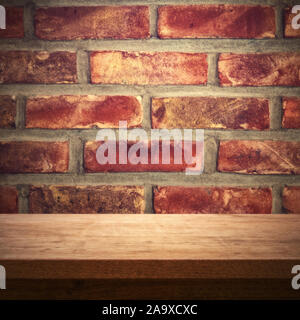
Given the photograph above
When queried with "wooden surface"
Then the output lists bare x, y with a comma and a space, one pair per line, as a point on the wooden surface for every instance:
101, 237
220, 256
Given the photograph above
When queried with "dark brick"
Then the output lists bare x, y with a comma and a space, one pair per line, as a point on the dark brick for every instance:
101, 22
86, 199
216, 21
7, 112
291, 199
37, 67
8, 199
210, 113
83, 112
14, 23
263, 69
151, 68
212, 200
291, 113
259, 157
33, 157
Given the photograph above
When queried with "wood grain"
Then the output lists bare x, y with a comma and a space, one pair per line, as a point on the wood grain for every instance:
150, 250
105, 237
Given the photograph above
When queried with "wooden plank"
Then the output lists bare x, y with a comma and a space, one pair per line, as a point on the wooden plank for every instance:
138, 237
239, 251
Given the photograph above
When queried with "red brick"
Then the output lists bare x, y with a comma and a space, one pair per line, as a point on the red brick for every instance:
70, 23
289, 32
86, 199
291, 199
264, 69
210, 112
291, 113
216, 21
91, 164
33, 157
259, 157
14, 24
7, 112
82, 112
8, 199
212, 200
148, 67
38, 67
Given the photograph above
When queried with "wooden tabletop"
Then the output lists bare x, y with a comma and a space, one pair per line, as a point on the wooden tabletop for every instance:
216, 247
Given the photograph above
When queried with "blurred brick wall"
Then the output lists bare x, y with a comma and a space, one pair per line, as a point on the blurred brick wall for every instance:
68, 68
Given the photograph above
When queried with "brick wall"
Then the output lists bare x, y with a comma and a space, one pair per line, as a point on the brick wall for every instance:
70, 67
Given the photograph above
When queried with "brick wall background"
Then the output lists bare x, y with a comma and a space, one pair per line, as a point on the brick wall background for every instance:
69, 67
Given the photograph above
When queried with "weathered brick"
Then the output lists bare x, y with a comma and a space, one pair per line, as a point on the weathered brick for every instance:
264, 69
291, 199
259, 157
34, 157
216, 21
14, 23
210, 112
289, 31
8, 199
101, 22
86, 199
91, 164
83, 111
291, 113
148, 67
7, 112
37, 67
212, 200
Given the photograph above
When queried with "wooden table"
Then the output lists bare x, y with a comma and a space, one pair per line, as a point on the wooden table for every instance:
149, 256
